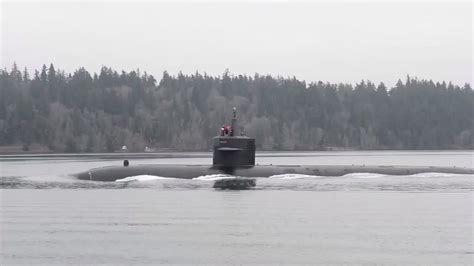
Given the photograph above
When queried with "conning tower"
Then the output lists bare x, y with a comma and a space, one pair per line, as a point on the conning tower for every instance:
232, 150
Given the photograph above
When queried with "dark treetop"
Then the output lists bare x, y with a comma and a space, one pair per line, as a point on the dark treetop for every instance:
84, 112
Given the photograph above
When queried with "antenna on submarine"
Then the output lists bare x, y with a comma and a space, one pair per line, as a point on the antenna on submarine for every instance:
234, 122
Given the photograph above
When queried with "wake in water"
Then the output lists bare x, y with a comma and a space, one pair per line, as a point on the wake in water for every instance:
213, 177
294, 176
142, 178
364, 175
349, 182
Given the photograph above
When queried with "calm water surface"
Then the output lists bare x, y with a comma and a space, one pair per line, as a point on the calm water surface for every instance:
49, 218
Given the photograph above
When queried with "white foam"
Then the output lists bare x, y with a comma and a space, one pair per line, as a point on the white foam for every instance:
293, 176
364, 175
213, 177
142, 178
433, 174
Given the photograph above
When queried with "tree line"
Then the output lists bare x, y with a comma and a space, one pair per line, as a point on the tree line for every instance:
98, 112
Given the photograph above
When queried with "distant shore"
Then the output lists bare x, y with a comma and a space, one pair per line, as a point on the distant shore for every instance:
35, 149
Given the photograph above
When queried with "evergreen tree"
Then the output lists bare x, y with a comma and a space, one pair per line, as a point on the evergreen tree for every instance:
84, 112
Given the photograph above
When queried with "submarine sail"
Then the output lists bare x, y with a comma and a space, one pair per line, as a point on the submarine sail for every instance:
231, 150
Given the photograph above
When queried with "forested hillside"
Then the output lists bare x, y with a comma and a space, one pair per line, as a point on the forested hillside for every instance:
98, 112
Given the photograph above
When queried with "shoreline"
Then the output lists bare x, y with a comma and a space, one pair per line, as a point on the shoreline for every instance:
199, 154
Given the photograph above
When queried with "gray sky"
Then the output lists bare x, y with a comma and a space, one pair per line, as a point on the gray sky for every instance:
336, 42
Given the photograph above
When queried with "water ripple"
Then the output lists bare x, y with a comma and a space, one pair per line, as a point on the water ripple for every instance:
429, 182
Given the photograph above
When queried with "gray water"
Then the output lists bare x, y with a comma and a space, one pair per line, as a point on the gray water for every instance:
48, 217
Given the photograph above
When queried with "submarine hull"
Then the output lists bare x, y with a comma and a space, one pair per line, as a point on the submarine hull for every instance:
114, 173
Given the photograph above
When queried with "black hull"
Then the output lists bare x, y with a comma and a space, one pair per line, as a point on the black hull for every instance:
114, 173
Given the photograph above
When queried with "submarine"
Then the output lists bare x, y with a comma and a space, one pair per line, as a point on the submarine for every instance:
234, 155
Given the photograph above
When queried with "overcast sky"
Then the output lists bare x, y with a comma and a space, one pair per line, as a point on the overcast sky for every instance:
343, 42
